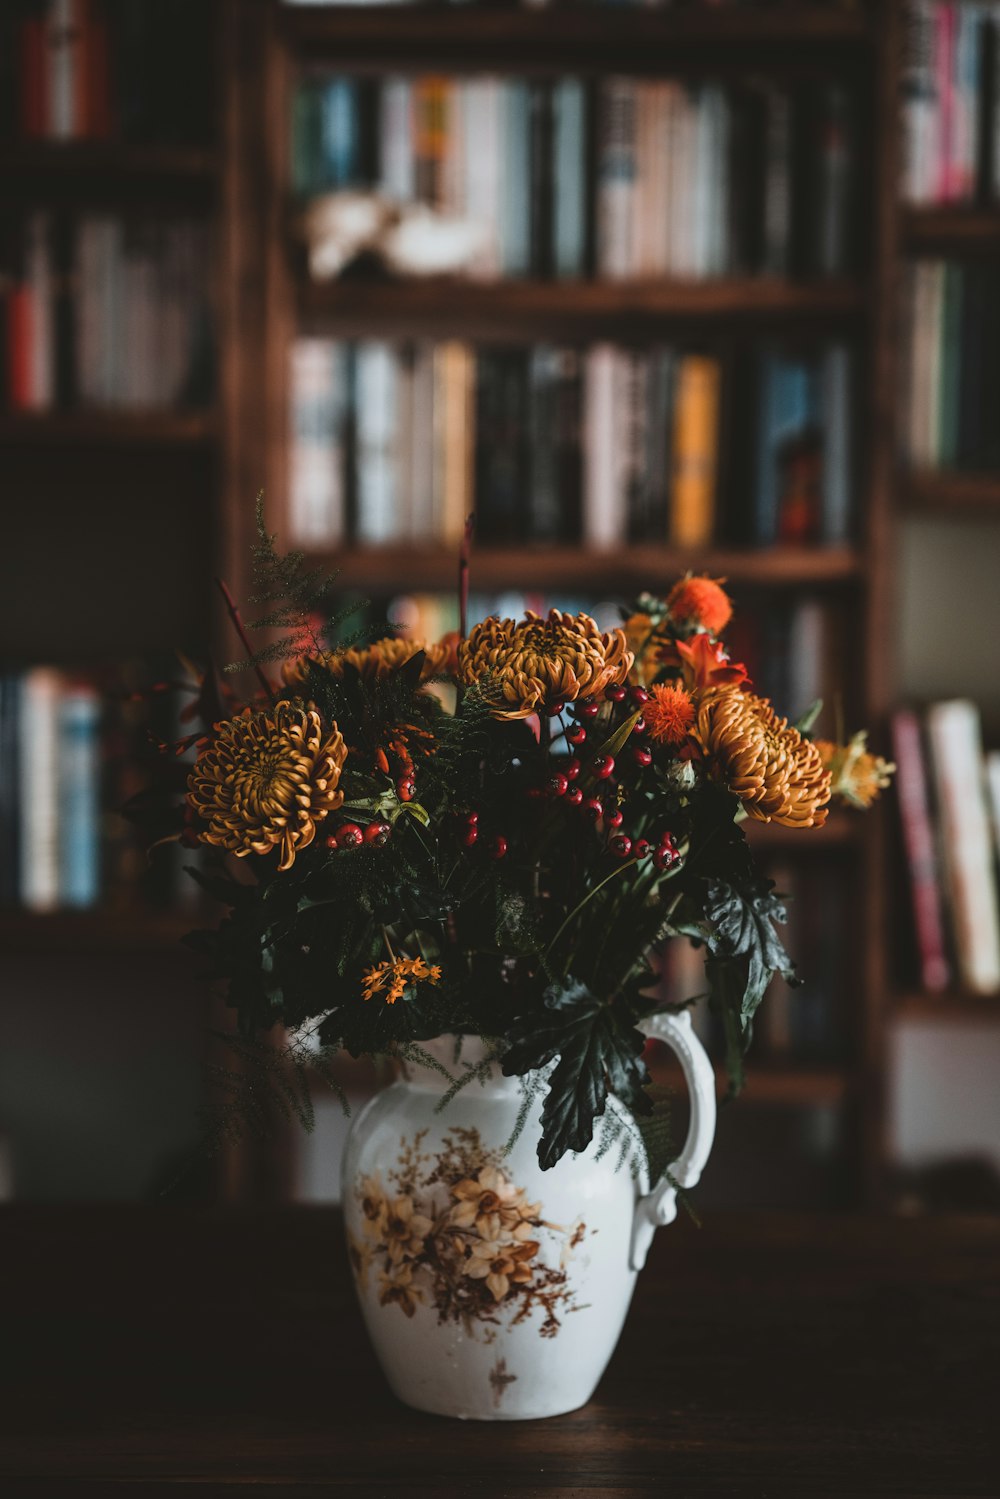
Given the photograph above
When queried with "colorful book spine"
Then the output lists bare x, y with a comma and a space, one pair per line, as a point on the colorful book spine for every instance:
79, 770
317, 451
695, 448
921, 853
375, 416
617, 172
954, 737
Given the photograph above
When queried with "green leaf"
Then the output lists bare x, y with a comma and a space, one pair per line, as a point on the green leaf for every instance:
807, 722
599, 1050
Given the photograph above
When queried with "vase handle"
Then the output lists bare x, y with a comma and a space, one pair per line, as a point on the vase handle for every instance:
659, 1206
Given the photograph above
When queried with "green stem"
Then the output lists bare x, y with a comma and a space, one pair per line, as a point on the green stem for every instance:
628, 864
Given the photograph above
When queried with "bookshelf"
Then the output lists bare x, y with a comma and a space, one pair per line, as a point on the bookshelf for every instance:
262, 298
273, 301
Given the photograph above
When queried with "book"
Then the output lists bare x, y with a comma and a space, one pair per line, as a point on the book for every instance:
569, 207
605, 514
317, 458
377, 467
38, 773
838, 452
923, 864
955, 741
694, 456
454, 496
78, 807
515, 217
616, 176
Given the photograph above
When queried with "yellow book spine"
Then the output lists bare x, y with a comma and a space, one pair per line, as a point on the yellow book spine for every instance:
695, 451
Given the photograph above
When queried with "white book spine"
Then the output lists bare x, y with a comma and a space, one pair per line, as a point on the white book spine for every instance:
396, 140
616, 190
482, 164
38, 748
956, 754
919, 103
63, 40
316, 499
422, 464
376, 410
604, 517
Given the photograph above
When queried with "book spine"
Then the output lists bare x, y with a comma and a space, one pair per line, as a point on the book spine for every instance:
34, 107
430, 139
316, 488
695, 440
482, 158
951, 358
617, 168
919, 102
568, 177
41, 289
457, 441
516, 177
396, 169
834, 184
79, 809
38, 723
921, 853
944, 69
838, 462
956, 756
604, 512
422, 478
10, 775
777, 183
541, 183
376, 422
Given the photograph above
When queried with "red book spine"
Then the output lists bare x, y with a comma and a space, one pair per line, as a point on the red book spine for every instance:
19, 348
918, 837
96, 73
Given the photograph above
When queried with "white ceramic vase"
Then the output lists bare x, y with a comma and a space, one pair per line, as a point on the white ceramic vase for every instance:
493, 1290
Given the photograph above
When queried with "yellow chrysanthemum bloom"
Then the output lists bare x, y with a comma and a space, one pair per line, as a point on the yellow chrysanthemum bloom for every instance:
538, 662
644, 639
856, 774
375, 660
762, 759
266, 779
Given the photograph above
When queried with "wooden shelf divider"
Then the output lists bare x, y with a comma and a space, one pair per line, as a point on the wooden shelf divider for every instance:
154, 429
574, 310
953, 1007
951, 493
954, 230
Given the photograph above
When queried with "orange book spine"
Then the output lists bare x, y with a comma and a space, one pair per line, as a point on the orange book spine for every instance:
695, 452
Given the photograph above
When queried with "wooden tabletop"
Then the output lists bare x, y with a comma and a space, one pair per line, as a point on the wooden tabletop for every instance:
142, 1350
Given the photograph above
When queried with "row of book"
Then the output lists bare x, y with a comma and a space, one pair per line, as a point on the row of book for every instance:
73, 748
951, 102
621, 179
394, 443
105, 69
949, 800
105, 311
952, 375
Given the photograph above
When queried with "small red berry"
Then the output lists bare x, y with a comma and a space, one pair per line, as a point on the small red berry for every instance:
331, 841
589, 709
667, 841
556, 707
405, 790
641, 755
557, 785
572, 769
620, 844
603, 766
574, 796
641, 848
594, 807
469, 837
498, 847
577, 734
615, 819
616, 694
472, 818
378, 833
639, 727
349, 835
638, 696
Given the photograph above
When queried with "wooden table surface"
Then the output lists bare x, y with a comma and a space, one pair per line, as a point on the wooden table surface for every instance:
142, 1350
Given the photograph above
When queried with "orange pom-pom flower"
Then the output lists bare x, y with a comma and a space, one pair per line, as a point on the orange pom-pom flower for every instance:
669, 714
700, 602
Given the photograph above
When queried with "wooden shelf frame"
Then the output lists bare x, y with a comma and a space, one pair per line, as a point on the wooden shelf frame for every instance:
950, 1008
952, 230
951, 493
108, 429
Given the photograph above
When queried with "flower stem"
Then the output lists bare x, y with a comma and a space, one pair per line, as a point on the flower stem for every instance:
234, 615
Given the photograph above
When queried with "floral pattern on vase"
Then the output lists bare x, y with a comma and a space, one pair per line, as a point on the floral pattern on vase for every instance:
452, 1231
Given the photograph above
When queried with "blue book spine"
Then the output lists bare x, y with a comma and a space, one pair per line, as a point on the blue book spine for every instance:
568, 178
79, 798
516, 220
341, 131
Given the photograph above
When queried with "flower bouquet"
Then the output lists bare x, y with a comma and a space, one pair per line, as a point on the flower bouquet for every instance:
489, 839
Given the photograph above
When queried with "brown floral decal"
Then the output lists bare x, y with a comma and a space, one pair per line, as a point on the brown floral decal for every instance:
453, 1232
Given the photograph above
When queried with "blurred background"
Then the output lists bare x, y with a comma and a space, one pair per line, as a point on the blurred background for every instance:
696, 285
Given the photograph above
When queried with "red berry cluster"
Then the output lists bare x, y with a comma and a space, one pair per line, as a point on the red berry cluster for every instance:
352, 835
468, 836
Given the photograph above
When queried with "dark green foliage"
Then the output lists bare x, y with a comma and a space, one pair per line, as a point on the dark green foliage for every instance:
599, 1049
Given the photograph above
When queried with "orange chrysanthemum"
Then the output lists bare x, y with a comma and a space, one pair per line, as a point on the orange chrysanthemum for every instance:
375, 660
266, 779
701, 603
539, 662
856, 775
762, 759
395, 977
669, 714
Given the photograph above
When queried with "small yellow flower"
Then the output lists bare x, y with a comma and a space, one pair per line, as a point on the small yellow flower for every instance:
501, 1263
396, 1286
405, 1229
856, 774
396, 976
490, 1202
